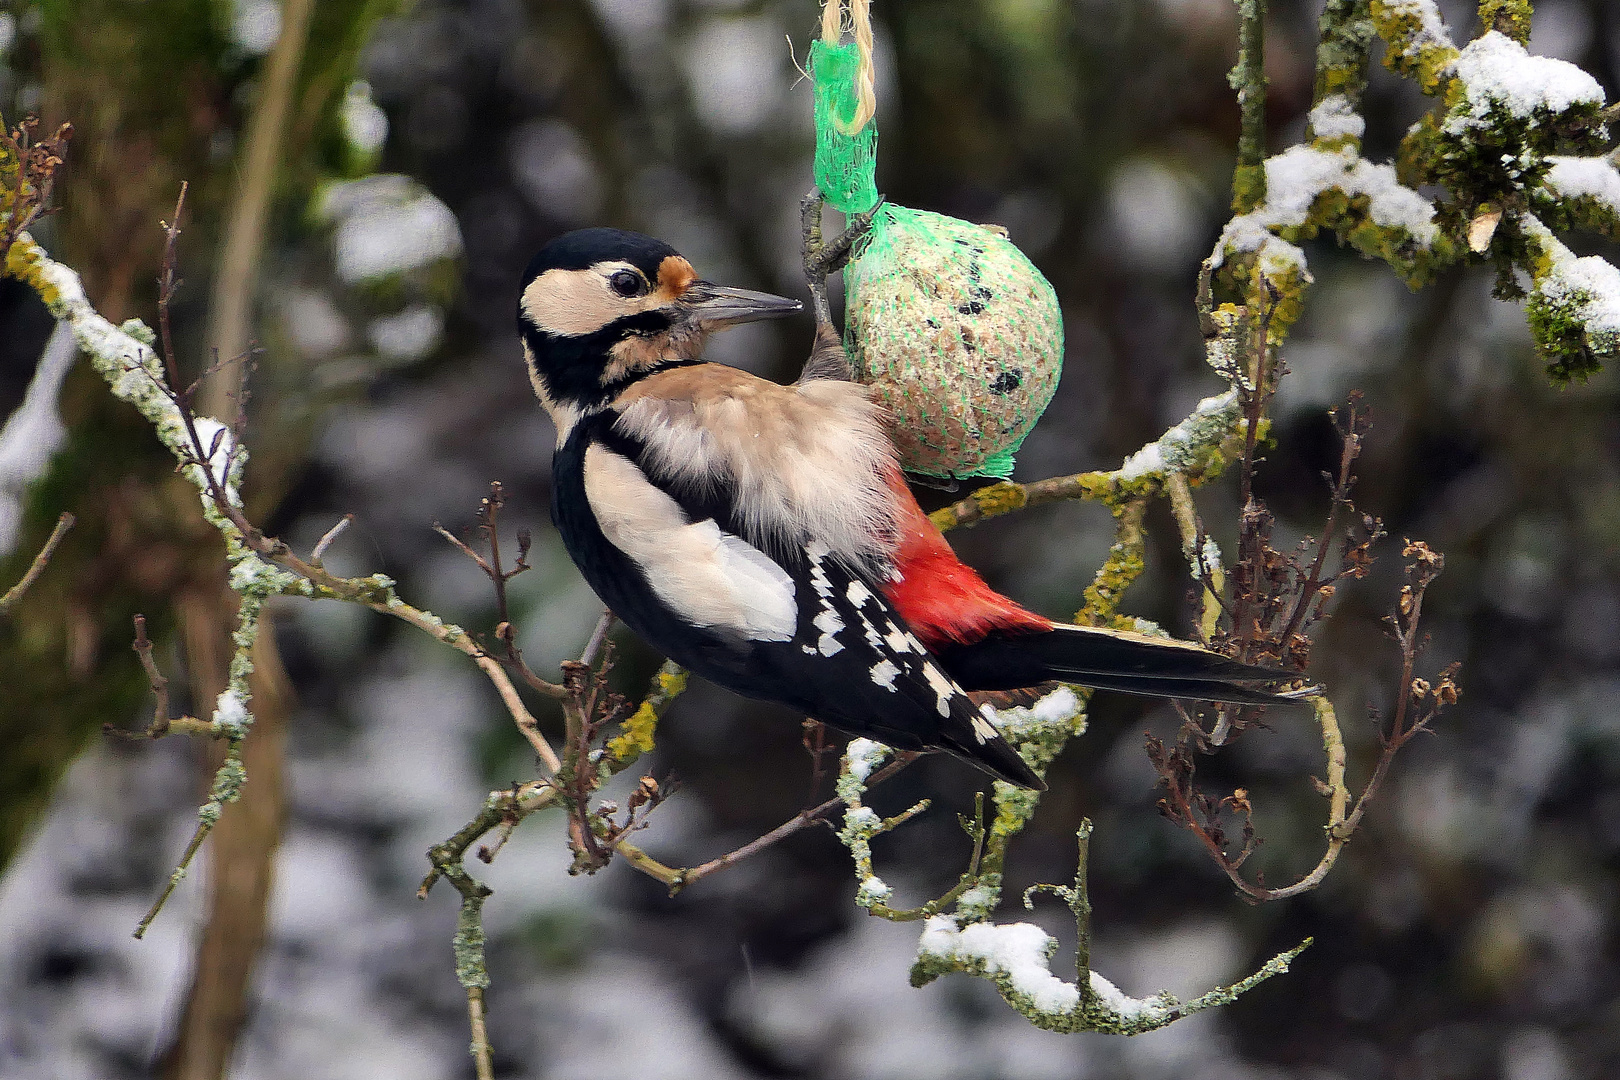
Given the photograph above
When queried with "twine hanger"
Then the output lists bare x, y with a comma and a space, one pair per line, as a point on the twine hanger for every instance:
859, 23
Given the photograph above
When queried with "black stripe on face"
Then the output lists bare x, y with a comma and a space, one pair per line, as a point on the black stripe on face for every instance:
571, 367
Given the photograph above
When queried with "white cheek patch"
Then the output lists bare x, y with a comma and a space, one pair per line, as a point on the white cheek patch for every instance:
706, 575
575, 302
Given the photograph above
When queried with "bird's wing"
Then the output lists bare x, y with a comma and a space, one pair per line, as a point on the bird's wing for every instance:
806, 628
709, 577
856, 665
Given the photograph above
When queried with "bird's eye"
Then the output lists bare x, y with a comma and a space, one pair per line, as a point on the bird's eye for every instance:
627, 283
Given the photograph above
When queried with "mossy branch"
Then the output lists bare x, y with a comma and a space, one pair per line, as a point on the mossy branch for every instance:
261, 567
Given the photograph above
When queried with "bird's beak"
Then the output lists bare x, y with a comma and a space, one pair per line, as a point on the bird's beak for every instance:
715, 307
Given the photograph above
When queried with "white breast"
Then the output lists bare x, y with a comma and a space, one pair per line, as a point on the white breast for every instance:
803, 464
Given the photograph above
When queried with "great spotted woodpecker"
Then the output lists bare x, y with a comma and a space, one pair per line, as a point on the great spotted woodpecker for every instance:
763, 535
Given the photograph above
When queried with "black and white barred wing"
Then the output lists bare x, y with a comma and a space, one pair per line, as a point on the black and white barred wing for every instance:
861, 669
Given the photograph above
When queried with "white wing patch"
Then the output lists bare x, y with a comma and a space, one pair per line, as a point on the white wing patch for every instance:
899, 655
984, 726
706, 575
829, 624
943, 688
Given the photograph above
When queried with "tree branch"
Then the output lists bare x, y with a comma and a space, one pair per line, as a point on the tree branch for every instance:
37, 567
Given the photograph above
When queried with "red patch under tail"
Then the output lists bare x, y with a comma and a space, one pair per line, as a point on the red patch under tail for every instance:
943, 599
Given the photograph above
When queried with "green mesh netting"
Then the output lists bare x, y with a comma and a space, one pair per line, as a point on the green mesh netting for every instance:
959, 336
957, 333
846, 165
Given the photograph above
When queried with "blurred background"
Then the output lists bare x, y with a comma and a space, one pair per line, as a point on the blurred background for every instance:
429, 148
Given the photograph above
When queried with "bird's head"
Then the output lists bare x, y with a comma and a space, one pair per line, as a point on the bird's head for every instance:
601, 308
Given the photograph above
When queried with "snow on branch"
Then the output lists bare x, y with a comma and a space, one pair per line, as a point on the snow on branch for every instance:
1420, 48
1500, 79
1016, 957
1574, 305
1381, 216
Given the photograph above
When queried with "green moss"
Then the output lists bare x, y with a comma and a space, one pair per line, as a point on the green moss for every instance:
1584, 213
1002, 498
1410, 52
1248, 187
1510, 17
1124, 565
468, 944
1561, 338
1345, 33
640, 730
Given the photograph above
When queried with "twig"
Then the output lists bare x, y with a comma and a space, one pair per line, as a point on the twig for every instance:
162, 723
37, 567
510, 805
178, 875
36, 162
679, 878
168, 283
598, 636
1351, 449
326, 541
489, 519
1249, 79
1185, 806
471, 969
816, 745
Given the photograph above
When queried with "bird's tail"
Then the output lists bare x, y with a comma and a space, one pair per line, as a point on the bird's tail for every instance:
1115, 660
974, 739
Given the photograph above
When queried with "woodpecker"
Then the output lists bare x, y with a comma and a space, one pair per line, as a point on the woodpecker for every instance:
763, 535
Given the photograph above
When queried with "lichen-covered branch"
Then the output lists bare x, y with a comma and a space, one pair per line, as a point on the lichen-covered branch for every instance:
1248, 78
1016, 957
1574, 304
1418, 45
260, 566
1514, 133
1345, 34
1198, 449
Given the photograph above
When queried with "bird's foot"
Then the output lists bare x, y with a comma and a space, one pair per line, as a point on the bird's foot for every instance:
823, 257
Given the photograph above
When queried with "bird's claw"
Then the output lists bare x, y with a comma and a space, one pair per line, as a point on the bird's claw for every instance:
825, 257
822, 257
